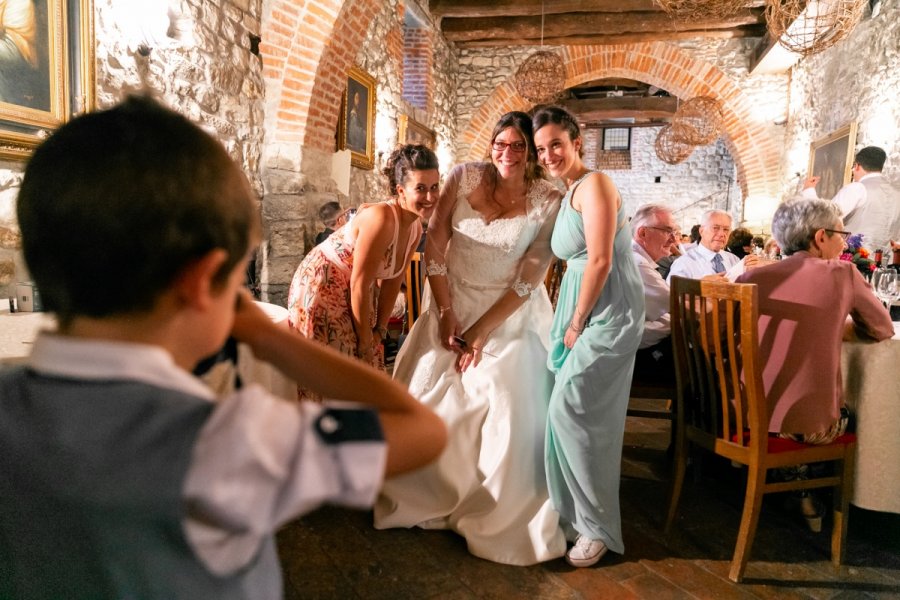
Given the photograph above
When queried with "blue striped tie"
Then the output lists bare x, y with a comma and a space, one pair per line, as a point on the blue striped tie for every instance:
718, 265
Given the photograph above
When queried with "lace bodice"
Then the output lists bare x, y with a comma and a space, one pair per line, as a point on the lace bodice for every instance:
488, 254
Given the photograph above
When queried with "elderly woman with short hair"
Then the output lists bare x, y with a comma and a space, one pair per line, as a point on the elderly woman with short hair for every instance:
804, 302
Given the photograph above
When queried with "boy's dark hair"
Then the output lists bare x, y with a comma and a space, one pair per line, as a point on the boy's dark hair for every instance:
405, 159
116, 203
871, 158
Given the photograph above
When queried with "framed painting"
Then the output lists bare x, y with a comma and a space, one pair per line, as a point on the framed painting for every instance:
411, 131
831, 159
46, 69
358, 119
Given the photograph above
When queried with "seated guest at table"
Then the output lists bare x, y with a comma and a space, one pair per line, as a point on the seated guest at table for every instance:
709, 257
328, 214
122, 475
653, 235
804, 302
676, 249
740, 242
335, 297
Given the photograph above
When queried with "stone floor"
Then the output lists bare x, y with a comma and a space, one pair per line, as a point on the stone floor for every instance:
335, 553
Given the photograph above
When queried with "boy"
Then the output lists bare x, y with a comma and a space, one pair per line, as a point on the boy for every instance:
121, 477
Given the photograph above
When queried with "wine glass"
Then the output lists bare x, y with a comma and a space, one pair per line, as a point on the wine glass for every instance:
884, 282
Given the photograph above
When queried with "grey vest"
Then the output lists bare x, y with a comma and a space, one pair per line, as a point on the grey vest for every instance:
878, 218
91, 476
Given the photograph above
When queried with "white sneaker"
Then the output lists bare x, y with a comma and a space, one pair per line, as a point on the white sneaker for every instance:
585, 552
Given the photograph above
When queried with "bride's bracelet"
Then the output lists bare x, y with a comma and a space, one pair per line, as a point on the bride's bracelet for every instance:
442, 310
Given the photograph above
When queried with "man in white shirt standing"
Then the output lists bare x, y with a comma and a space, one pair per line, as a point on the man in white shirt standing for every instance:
709, 256
653, 234
870, 205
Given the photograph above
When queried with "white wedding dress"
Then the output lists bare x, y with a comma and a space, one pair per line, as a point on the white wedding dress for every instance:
489, 484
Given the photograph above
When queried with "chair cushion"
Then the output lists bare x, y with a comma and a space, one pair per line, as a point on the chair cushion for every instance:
780, 444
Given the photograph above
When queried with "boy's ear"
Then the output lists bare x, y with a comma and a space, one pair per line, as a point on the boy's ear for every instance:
194, 284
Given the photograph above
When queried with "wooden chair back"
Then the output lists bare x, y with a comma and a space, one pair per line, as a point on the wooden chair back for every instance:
722, 408
415, 283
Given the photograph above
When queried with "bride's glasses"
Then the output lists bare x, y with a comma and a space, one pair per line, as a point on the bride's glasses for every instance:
515, 146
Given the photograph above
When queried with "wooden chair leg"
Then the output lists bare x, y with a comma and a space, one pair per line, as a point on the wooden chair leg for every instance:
756, 481
678, 469
841, 511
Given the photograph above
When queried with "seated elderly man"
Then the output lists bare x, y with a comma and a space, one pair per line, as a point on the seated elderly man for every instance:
804, 302
654, 232
709, 257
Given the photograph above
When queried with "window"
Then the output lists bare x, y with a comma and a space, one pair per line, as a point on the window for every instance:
617, 138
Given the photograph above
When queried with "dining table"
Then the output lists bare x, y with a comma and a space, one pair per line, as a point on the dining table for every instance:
871, 380
19, 330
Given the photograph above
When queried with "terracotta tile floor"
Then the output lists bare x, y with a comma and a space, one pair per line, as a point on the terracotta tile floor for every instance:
336, 553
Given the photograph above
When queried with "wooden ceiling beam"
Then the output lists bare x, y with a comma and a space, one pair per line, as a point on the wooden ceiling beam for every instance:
596, 109
526, 8
624, 38
592, 24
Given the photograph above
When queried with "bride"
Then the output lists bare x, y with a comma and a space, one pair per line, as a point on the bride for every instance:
477, 356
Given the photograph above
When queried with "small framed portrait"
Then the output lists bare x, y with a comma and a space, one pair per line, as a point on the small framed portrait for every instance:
358, 119
411, 131
831, 158
46, 69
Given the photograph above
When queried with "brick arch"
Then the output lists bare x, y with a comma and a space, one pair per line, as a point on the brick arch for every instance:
755, 153
307, 48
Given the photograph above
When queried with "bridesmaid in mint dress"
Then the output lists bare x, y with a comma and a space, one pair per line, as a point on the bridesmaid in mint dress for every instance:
595, 333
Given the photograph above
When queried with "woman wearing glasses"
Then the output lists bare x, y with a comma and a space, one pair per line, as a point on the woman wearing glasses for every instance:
477, 356
804, 302
596, 331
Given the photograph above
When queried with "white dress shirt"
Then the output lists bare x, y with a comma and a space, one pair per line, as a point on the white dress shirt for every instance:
657, 320
697, 263
848, 198
257, 462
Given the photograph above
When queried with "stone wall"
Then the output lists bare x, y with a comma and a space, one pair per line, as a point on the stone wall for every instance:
208, 74
703, 181
856, 80
368, 185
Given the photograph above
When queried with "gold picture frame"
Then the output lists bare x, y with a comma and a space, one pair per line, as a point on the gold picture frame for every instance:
831, 159
410, 131
49, 77
357, 122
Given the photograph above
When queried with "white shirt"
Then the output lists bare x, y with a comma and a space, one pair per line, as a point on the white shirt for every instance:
257, 462
657, 320
696, 263
848, 198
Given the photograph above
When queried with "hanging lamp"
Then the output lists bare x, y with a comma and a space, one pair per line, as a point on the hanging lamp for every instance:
808, 27
542, 76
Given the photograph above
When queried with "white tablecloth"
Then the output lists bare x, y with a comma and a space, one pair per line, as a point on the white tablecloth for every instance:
19, 330
221, 378
871, 373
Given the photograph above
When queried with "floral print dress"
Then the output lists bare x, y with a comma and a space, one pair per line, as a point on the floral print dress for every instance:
319, 297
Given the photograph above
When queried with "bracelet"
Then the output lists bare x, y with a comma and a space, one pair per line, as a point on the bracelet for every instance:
575, 329
443, 309
381, 331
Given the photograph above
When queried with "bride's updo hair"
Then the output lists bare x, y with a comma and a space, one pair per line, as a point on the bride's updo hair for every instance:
521, 122
555, 115
406, 158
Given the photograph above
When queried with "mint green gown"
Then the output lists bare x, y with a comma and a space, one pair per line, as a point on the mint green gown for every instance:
586, 416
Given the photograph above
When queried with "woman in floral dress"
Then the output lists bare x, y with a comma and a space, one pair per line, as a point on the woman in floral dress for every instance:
335, 296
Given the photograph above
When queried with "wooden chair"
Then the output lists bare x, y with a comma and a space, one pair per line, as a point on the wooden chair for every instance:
415, 283
721, 408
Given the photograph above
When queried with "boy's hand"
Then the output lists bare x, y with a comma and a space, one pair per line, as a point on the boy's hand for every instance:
249, 319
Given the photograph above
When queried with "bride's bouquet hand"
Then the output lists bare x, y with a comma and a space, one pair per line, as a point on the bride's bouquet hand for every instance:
471, 343
448, 328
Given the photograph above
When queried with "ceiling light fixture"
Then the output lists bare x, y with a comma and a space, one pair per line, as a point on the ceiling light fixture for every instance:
541, 77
